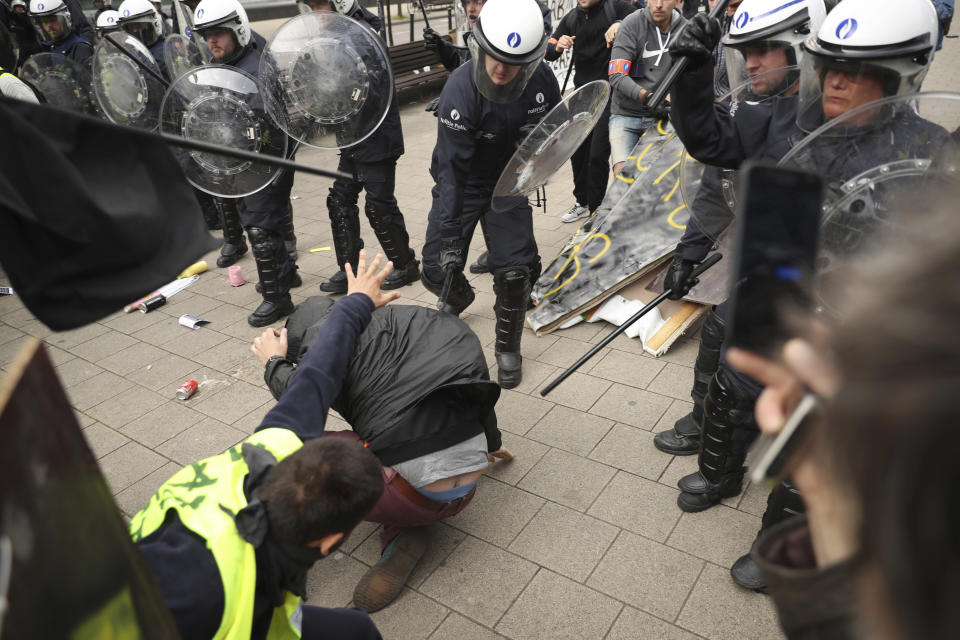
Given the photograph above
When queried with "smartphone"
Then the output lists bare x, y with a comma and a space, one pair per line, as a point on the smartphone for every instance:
778, 216
770, 453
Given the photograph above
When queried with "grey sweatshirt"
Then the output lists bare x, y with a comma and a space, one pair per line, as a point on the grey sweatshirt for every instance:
638, 60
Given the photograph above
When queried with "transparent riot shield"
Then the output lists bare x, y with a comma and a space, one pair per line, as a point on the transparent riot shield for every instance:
181, 55
551, 143
878, 161
224, 106
715, 220
126, 92
329, 79
63, 82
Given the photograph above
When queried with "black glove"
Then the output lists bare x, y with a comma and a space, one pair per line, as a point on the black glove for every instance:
698, 39
678, 278
451, 254
432, 106
662, 112
431, 39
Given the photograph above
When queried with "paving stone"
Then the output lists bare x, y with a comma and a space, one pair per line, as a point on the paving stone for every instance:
585, 331
674, 412
533, 346
59, 356
132, 322
9, 350
197, 306
358, 536
102, 440
518, 412
479, 580
164, 374
571, 430
556, 608
129, 463
76, 371
579, 391
718, 609
456, 627
135, 497
125, 407
729, 531
189, 343
568, 479
564, 352
565, 541
754, 499
226, 355
631, 406
160, 332
484, 328
632, 450
83, 419
331, 582
647, 575
637, 625
204, 439
93, 391
8, 333
234, 402
161, 424
683, 351
497, 513
103, 346
674, 381
527, 452
136, 356
627, 369
535, 375
411, 616
249, 423
679, 466
70, 339
640, 505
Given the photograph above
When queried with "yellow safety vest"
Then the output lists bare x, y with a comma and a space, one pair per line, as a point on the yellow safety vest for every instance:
199, 493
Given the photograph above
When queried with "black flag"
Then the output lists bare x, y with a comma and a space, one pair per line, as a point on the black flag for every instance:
92, 216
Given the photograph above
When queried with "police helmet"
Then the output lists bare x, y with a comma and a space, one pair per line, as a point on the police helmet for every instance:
40, 9
225, 14
140, 19
107, 22
509, 32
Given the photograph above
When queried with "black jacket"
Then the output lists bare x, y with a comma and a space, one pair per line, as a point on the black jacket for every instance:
591, 57
417, 381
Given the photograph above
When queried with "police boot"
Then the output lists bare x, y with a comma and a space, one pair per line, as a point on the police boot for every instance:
783, 502
267, 251
345, 224
461, 293
387, 223
481, 266
289, 236
728, 430
512, 287
234, 245
684, 438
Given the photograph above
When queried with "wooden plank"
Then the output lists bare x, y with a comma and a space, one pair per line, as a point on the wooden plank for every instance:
673, 323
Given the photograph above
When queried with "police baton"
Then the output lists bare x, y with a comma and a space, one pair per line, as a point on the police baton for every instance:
699, 269
445, 289
426, 21
679, 65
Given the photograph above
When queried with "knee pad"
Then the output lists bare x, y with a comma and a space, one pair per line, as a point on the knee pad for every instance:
263, 240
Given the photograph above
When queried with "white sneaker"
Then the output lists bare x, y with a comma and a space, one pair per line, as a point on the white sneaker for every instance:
576, 212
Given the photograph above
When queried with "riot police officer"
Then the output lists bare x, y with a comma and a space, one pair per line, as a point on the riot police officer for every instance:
53, 22
373, 165
224, 26
480, 114
108, 21
141, 20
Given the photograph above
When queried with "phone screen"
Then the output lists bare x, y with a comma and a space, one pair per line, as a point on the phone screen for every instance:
778, 216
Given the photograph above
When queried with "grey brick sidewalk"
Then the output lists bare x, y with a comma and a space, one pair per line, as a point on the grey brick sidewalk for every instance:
579, 537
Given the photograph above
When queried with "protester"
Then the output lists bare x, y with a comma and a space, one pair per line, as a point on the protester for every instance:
875, 557
639, 60
10, 85
482, 109
416, 392
230, 539
266, 215
589, 29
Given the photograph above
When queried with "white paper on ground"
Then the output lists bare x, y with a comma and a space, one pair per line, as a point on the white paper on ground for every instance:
618, 310
192, 322
177, 286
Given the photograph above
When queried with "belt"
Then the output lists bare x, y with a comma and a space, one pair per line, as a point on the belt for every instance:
414, 496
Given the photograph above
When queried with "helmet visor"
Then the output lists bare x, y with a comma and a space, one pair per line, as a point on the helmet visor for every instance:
498, 81
52, 26
141, 29
760, 63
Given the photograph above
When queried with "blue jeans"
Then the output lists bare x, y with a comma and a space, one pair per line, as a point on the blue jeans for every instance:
625, 131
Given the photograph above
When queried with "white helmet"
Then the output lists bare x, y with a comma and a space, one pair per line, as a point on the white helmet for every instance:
140, 19
107, 21
343, 7
225, 14
892, 39
770, 24
18, 3
511, 32
43, 8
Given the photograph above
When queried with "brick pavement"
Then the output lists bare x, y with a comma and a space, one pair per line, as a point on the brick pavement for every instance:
579, 537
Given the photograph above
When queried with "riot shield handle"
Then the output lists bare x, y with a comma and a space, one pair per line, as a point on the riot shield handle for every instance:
699, 269
680, 65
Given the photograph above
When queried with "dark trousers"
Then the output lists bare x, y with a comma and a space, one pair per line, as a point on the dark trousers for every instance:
378, 179
320, 623
591, 164
510, 233
267, 209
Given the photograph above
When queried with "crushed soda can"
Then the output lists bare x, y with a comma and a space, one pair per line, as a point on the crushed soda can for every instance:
187, 389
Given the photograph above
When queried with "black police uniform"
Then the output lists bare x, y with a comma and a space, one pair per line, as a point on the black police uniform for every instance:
73, 47
373, 165
266, 217
591, 58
